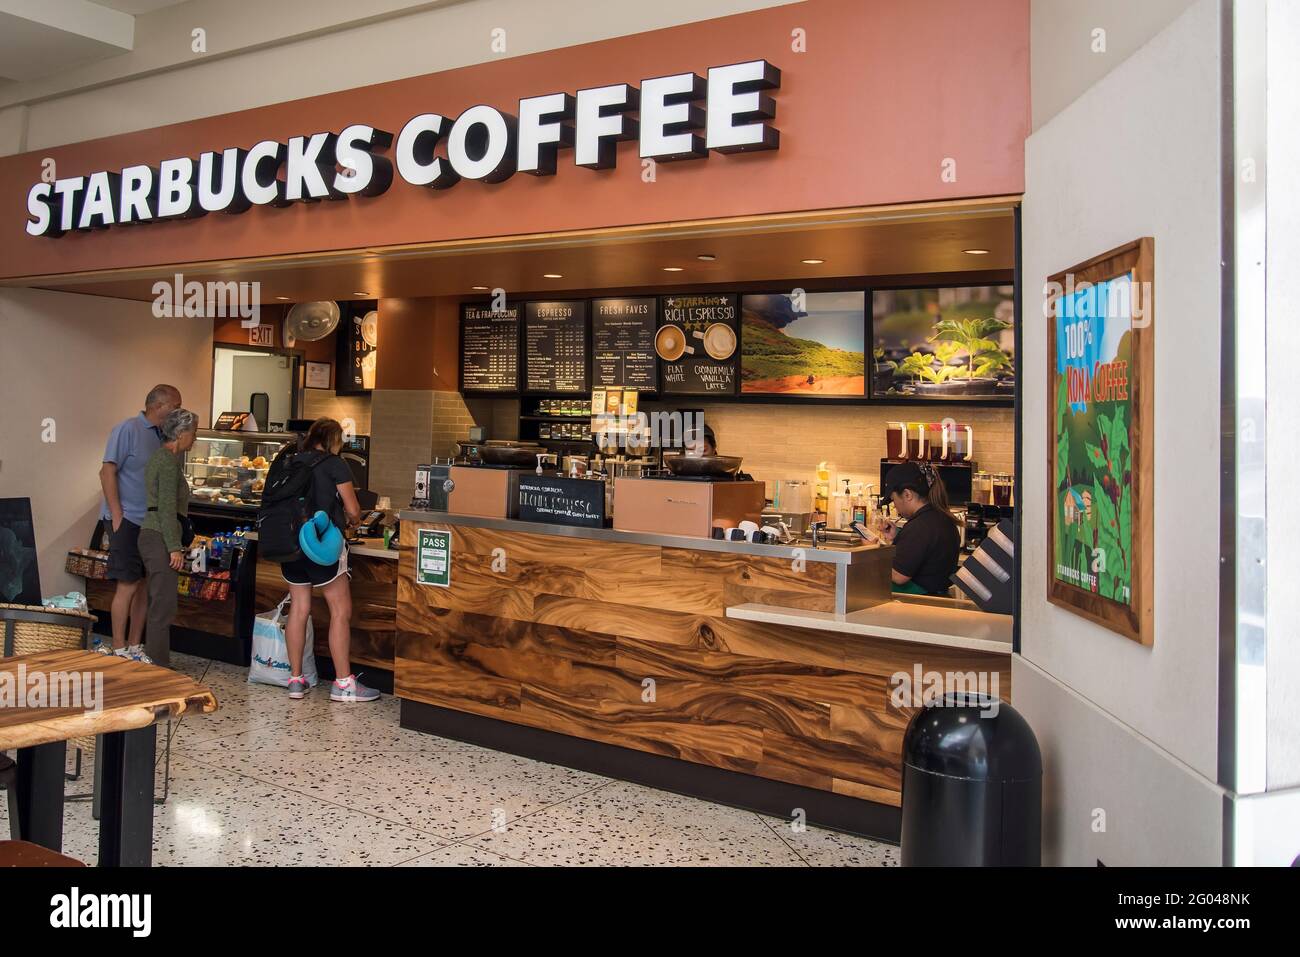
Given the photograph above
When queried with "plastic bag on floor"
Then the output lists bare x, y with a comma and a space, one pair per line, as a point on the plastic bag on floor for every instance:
270, 664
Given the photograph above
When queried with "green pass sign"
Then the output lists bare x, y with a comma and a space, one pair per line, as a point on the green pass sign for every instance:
433, 557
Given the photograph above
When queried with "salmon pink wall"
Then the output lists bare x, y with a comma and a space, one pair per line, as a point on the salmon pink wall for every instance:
884, 93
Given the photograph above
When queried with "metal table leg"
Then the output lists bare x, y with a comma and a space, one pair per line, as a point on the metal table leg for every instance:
40, 794
126, 801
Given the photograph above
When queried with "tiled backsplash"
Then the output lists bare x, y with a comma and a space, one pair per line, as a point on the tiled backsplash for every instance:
318, 403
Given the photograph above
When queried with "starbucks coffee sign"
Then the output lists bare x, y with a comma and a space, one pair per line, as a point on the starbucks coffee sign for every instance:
678, 117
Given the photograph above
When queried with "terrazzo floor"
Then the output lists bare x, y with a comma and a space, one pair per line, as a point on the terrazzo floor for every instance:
269, 781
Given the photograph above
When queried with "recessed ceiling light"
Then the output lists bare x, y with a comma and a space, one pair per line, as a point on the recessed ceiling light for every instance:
363, 295
479, 288
706, 257
283, 298
552, 275
976, 252
812, 262
672, 269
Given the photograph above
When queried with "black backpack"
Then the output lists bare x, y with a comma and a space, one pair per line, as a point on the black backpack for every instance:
287, 503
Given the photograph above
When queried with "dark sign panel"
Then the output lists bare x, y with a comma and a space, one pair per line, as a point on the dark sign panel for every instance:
560, 501
489, 348
555, 347
697, 343
357, 343
623, 344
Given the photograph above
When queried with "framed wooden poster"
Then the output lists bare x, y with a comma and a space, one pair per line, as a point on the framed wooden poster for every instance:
1101, 439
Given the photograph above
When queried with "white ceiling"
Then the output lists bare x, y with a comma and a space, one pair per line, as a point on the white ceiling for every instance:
137, 7
39, 38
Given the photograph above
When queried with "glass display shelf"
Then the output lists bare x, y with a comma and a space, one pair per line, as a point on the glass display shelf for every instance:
227, 470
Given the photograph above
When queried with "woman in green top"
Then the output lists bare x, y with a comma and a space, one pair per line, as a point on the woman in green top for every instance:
167, 498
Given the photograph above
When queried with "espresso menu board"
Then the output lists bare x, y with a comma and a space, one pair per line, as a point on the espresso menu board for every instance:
623, 344
696, 344
555, 347
489, 348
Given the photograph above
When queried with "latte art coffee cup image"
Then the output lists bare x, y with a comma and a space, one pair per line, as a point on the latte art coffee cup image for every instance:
720, 341
670, 343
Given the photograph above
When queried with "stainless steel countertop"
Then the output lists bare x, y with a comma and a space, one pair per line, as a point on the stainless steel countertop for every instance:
835, 556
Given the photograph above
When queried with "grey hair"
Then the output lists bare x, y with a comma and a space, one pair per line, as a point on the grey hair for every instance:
177, 423
160, 394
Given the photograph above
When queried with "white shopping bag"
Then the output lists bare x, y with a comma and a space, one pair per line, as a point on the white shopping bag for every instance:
270, 664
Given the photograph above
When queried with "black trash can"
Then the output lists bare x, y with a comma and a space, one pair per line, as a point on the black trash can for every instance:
972, 786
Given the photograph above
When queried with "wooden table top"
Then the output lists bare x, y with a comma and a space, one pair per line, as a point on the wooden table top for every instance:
134, 695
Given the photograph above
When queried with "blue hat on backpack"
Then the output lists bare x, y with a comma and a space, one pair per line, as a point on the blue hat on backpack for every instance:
320, 540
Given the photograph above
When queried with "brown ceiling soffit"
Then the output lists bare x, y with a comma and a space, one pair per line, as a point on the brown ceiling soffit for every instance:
862, 216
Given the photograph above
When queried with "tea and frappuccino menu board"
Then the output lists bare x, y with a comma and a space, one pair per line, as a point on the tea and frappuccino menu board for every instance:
489, 348
697, 343
555, 346
623, 344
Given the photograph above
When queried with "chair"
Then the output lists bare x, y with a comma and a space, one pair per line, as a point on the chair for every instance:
28, 630
26, 854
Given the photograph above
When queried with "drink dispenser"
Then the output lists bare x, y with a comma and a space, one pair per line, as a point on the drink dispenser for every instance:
961, 443
916, 440
895, 440
937, 444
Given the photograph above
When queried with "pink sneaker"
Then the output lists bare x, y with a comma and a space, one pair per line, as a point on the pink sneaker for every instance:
351, 690
298, 687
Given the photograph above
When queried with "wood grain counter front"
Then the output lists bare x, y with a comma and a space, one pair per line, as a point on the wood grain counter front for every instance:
629, 644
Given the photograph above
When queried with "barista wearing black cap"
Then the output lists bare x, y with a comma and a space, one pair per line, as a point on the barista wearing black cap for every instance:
926, 548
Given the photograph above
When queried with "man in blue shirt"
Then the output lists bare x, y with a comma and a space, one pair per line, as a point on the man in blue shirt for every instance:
130, 445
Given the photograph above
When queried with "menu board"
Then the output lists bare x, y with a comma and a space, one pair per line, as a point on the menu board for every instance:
489, 348
623, 344
696, 341
555, 346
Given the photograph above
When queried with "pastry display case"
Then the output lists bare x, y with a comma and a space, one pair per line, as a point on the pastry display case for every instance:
227, 470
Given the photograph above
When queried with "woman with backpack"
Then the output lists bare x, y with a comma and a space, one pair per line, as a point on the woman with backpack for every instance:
330, 491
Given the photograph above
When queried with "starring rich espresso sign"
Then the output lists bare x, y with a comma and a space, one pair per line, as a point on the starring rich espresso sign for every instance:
483, 143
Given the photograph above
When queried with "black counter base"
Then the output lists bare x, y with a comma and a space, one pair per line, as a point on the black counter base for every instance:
202, 644
879, 822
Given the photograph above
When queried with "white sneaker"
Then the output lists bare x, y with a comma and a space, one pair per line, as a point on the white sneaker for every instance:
135, 653
351, 690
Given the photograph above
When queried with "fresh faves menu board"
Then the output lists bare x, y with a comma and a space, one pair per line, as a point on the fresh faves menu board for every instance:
623, 344
489, 348
555, 346
696, 342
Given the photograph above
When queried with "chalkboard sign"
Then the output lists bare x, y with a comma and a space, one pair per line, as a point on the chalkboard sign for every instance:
555, 347
623, 344
489, 348
560, 501
697, 344
358, 340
